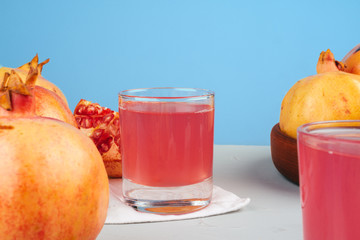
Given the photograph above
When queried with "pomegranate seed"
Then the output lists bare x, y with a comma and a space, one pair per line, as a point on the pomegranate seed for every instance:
104, 147
99, 110
86, 123
90, 110
81, 109
116, 122
109, 139
78, 120
97, 134
97, 121
108, 118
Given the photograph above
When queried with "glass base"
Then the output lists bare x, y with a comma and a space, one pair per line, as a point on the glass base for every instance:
168, 200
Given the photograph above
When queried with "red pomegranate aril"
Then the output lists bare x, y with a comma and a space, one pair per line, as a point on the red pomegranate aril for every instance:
97, 134
108, 118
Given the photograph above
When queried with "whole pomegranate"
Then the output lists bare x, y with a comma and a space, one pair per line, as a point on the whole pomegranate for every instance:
321, 97
332, 94
101, 124
53, 184
23, 71
46, 103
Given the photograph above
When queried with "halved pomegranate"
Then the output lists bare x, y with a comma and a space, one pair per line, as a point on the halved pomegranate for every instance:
101, 124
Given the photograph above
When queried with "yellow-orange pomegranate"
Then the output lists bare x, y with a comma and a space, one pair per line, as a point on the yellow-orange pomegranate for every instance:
53, 183
332, 94
325, 96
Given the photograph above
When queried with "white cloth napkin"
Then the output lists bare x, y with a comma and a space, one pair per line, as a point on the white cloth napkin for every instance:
120, 213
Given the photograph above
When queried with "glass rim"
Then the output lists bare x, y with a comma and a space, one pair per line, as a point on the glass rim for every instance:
208, 93
305, 129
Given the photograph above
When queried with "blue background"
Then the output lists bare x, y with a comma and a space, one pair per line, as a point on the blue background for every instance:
249, 52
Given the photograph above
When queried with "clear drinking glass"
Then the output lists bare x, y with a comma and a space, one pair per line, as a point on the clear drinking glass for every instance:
167, 137
329, 166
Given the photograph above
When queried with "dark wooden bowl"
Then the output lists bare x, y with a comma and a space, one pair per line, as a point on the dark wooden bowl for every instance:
284, 154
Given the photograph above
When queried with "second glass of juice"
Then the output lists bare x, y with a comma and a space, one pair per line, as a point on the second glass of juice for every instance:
329, 166
167, 137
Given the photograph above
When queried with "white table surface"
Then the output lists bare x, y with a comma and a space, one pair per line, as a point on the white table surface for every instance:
248, 171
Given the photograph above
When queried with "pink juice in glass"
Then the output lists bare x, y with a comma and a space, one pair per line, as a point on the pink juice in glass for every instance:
330, 183
167, 144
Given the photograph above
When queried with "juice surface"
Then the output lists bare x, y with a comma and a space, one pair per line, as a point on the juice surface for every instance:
166, 144
330, 180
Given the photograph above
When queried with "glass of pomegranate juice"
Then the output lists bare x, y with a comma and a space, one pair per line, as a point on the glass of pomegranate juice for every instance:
329, 167
167, 137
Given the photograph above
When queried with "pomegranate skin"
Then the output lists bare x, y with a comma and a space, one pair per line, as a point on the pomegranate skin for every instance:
49, 104
352, 60
53, 183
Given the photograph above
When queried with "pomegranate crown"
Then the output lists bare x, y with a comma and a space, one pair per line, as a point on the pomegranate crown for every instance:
12, 82
34, 63
327, 63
